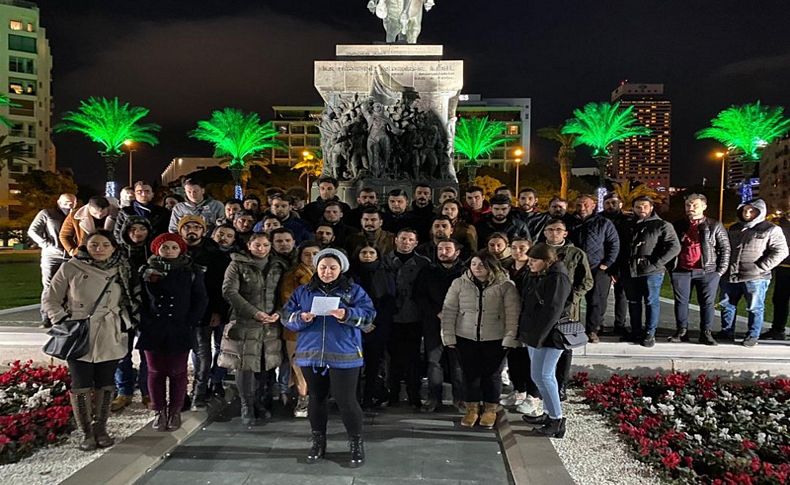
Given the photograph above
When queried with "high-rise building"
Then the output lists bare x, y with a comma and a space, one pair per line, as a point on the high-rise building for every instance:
25, 67
775, 174
644, 158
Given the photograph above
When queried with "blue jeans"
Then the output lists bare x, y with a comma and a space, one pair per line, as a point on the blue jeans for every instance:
754, 292
647, 290
125, 374
543, 369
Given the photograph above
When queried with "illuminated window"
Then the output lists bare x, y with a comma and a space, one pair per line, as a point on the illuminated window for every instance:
31, 27
15, 24
512, 130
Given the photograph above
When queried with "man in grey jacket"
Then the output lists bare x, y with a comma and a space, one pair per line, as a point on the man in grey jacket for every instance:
197, 204
44, 231
758, 246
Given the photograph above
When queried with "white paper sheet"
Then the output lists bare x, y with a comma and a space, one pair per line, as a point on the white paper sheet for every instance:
322, 305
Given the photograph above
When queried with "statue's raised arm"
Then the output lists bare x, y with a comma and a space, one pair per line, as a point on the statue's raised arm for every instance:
402, 18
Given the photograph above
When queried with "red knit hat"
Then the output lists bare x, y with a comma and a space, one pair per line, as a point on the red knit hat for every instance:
168, 236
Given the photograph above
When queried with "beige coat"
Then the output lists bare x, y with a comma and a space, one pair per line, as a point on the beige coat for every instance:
494, 316
73, 291
79, 225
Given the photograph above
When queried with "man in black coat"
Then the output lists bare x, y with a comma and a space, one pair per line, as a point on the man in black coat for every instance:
142, 206
396, 214
366, 198
613, 210
435, 280
327, 191
703, 259
423, 210
501, 219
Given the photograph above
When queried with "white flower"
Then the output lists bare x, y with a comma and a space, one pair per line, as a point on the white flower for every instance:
690, 398
744, 413
725, 394
666, 409
679, 424
761, 438
670, 395
698, 438
647, 400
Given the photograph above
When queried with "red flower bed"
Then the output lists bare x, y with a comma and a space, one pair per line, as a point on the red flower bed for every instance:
700, 430
34, 409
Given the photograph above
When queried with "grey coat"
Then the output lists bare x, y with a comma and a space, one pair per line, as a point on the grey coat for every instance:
209, 209
45, 232
250, 289
757, 246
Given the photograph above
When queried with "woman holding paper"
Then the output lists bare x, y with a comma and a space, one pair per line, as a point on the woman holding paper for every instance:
251, 340
329, 314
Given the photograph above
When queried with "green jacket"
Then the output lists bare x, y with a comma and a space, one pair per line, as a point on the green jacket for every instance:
575, 261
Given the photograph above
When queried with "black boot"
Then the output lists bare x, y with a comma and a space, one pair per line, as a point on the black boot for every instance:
539, 420
102, 400
553, 428
317, 448
82, 406
357, 447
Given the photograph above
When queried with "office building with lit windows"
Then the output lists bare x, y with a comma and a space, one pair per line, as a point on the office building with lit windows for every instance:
25, 68
644, 158
775, 174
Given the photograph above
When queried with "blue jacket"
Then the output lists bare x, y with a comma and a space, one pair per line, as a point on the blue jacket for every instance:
597, 237
327, 342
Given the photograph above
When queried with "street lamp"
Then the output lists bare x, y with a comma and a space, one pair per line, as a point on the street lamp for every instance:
518, 152
129, 144
723, 157
307, 156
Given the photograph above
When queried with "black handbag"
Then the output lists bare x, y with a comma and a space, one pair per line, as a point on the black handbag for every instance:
70, 339
572, 334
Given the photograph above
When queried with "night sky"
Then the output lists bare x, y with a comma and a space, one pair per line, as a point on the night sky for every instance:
183, 59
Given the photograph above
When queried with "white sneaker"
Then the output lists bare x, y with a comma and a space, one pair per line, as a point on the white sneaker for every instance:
505, 376
513, 399
531, 406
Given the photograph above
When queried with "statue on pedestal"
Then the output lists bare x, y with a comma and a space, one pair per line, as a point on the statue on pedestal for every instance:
402, 18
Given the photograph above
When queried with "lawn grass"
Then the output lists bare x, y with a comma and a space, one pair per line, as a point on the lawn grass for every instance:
20, 279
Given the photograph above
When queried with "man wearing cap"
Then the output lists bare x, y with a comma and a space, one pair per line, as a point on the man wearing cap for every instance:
197, 204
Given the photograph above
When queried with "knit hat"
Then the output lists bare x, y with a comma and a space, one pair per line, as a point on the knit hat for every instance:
337, 254
169, 236
191, 218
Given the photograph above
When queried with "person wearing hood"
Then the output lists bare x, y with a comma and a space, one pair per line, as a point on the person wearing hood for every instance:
653, 244
480, 319
97, 277
98, 213
546, 300
174, 300
197, 204
757, 247
251, 342
135, 243
142, 206
329, 348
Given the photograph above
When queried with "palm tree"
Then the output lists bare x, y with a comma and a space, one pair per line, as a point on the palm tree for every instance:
312, 165
629, 191
238, 138
6, 101
476, 137
110, 123
11, 151
600, 126
565, 155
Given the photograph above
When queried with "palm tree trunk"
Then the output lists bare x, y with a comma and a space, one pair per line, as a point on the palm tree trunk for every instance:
565, 176
111, 186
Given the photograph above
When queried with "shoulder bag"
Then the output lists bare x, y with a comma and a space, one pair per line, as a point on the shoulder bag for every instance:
571, 334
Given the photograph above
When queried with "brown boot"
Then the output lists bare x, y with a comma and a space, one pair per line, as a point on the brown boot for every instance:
102, 400
82, 406
488, 418
472, 413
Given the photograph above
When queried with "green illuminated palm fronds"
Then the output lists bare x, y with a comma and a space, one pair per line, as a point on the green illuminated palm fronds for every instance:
599, 125
747, 128
109, 123
6, 101
476, 137
237, 136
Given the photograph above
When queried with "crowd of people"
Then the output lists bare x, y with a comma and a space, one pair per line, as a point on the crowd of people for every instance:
453, 292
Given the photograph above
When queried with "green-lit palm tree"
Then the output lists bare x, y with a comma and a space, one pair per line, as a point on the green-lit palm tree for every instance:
565, 154
600, 126
109, 122
238, 138
476, 137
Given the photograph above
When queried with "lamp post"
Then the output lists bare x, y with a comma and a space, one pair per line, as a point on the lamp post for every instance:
723, 157
307, 156
518, 152
129, 144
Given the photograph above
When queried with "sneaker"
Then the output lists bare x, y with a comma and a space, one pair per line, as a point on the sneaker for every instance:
681, 335
513, 399
706, 338
300, 411
505, 375
120, 402
649, 341
530, 407
774, 335
593, 338
750, 341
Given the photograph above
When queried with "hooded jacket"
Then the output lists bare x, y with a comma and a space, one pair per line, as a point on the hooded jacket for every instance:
209, 209
157, 216
481, 313
326, 342
137, 254
546, 299
758, 246
652, 246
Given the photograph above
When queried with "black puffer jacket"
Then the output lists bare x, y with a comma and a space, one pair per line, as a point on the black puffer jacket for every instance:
714, 243
546, 298
513, 226
434, 281
597, 237
652, 246
405, 275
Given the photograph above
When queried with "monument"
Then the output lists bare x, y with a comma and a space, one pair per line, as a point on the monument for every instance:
389, 114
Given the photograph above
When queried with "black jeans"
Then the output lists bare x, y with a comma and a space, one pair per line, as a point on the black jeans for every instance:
343, 385
706, 284
374, 353
482, 365
620, 304
781, 298
404, 348
201, 358
92, 375
596, 300
440, 359
518, 369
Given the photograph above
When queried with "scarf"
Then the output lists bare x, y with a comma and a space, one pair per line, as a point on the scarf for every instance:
130, 285
160, 267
